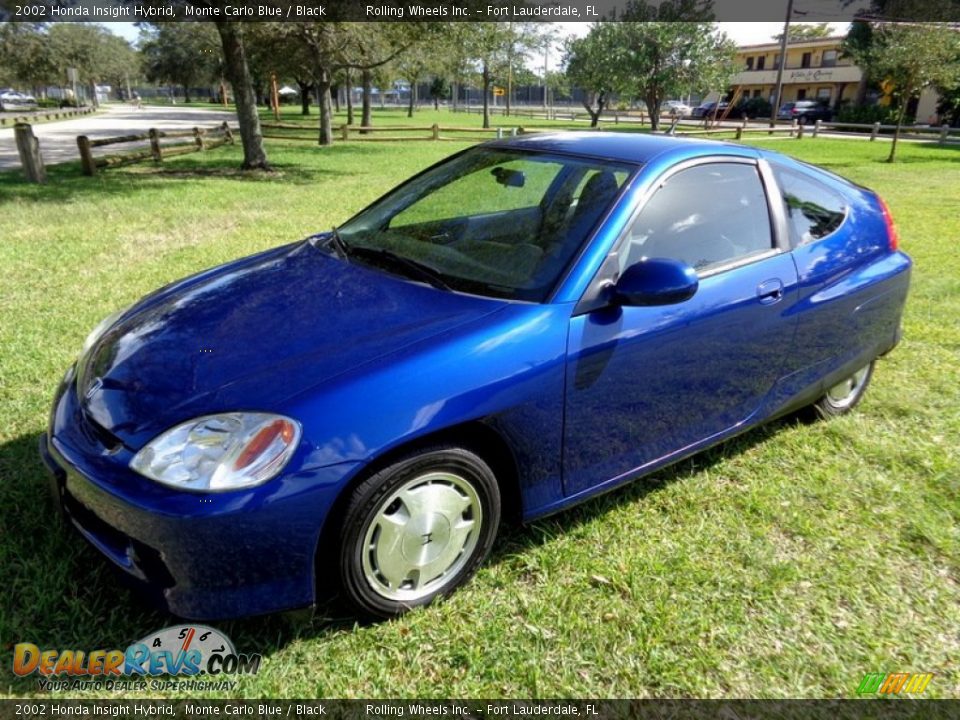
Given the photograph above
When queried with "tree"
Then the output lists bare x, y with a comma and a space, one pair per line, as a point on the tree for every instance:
25, 58
96, 53
591, 66
801, 31
909, 58
179, 53
235, 62
494, 47
657, 60
337, 46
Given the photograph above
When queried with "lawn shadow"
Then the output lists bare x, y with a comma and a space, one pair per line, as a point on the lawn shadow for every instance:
67, 183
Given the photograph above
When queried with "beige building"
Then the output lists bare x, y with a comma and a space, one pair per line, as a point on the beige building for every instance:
815, 70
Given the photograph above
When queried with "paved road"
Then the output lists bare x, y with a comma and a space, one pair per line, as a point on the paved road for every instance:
58, 140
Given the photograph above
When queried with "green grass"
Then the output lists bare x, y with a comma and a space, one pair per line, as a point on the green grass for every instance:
786, 563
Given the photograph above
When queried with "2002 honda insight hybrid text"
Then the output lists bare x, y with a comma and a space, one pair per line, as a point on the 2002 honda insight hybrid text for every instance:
521, 326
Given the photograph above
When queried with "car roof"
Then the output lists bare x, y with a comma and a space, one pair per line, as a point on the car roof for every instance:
637, 148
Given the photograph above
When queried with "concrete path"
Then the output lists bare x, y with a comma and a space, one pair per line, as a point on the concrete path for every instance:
58, 140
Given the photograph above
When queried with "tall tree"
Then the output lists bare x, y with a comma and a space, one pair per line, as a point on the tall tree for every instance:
909, 58
337, 46
657, 60
179, 53
96, 53
235, 62
591, 66
25, 57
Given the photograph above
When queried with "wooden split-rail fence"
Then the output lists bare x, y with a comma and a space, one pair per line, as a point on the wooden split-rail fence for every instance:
201, 139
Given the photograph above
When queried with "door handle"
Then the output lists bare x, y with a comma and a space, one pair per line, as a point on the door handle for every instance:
770, 291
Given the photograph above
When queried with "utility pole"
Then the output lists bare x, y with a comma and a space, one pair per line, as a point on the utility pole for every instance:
783, 61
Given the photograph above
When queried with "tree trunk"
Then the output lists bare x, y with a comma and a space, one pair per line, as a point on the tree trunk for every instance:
653, 107
349, 83
254, 156
186, 94
486, 96
326, 108
365, 119
413, 90
335, 93
304, 97
594, 116
896, 133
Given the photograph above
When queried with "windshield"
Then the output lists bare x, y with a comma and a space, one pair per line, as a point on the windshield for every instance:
488, 221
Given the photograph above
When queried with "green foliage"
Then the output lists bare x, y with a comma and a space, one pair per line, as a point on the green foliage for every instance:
638, 57
757, 107
186, 54
34, 55
883, 114
802, 31
908, 58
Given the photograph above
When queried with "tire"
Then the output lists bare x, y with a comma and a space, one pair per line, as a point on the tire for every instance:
845, 395
434, 513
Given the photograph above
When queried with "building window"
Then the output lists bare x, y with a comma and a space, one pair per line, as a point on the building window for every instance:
776, 62
761, 62
829, 58
749, 63
757, 93
802, 94
823, 93
805, 60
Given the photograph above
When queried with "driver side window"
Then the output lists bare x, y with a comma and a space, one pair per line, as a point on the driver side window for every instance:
706, 216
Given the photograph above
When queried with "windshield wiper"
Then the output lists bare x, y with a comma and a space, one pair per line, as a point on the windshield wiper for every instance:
411, 268
341, 246
332, 241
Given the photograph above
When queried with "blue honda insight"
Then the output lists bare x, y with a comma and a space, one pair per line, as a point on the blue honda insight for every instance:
522, 326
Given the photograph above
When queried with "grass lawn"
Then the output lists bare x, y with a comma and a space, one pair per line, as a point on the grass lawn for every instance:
786, 563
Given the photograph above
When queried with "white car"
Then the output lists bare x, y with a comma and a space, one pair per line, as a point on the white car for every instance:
10, 99
675, 108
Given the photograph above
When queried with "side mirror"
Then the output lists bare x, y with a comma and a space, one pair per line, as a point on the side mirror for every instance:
656, 281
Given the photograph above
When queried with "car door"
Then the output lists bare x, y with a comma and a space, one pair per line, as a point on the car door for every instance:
646, 383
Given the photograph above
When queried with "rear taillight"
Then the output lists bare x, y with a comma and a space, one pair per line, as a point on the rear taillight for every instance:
892, 238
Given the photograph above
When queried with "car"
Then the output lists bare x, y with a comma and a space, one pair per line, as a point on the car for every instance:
675, 108
710, 110
522, 326
804, 111
10, 99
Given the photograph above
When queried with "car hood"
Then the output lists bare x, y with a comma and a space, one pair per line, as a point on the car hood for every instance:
253, 333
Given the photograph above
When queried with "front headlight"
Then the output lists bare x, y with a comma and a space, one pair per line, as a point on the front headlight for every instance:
220, 452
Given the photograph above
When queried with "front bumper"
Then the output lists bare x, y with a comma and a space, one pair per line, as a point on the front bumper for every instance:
200, 556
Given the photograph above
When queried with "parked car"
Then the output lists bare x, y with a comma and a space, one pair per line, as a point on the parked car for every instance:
10, 99
804, 111
524, 325
710, 109
675, 108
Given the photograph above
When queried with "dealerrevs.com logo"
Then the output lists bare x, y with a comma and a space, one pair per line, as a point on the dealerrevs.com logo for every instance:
184, 650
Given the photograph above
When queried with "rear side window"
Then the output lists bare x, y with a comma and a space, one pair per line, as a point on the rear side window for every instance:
813, 210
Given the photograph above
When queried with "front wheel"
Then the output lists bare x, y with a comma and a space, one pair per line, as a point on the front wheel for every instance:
417, 530
844, 396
